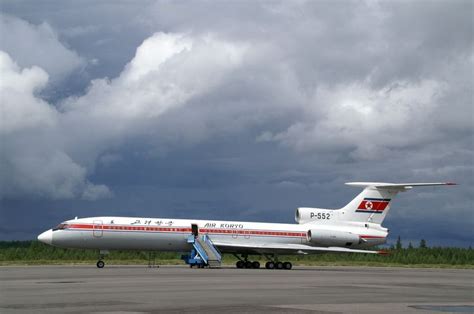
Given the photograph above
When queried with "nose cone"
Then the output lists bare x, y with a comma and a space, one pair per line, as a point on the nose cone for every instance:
46, 237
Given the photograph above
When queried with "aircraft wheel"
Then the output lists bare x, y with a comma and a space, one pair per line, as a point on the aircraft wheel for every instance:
256, 265
279, 265
287, 265
269, 265
100, 264
239, 264
248, 264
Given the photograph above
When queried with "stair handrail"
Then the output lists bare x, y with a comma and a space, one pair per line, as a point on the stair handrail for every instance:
201, 251
212, 246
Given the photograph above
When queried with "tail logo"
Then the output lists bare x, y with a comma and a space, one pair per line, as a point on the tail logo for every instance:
373, 205
369, 205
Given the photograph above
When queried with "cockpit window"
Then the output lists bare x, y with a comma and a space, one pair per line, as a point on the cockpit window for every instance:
60, 227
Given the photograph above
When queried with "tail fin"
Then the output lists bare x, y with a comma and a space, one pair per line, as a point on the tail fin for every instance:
373, 203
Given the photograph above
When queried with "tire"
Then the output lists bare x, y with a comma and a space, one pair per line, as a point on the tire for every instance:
248, 264
255, 265
287, 265
239, 264
279, 265
269, 265
100, 264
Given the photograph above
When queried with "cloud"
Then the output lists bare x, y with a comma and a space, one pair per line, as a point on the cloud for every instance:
168, 72
20, 108
252, 98
37, 45
60, 152
32, 159
367, 122
185, 88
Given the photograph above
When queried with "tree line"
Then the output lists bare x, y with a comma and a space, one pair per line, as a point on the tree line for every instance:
34, 252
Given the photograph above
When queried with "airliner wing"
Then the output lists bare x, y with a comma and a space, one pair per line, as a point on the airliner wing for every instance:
282, 248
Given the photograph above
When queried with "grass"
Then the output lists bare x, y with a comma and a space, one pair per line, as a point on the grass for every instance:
36, 253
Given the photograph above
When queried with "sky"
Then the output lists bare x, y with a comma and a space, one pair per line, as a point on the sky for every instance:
235, 110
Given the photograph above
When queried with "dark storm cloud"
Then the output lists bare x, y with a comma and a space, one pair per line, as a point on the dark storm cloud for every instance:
242, 110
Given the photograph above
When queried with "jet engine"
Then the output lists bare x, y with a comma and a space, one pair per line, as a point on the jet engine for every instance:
332, 238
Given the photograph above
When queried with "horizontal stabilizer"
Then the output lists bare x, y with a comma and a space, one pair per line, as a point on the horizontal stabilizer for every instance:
398, 186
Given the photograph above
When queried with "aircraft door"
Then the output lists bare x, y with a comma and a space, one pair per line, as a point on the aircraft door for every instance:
97, 228
195, 230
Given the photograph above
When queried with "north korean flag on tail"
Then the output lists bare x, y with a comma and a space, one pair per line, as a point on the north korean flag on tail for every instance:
373, 205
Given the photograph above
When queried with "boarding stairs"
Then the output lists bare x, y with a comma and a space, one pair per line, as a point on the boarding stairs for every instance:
204, 252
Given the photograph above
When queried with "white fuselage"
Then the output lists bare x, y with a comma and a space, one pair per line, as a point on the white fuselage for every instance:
162, 234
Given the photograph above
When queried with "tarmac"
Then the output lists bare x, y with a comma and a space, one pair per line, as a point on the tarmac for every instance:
168, 289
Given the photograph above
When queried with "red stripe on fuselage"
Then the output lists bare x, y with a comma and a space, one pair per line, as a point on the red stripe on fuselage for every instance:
244, 232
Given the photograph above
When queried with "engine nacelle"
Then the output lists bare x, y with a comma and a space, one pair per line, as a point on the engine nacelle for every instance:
332, 238
307, 214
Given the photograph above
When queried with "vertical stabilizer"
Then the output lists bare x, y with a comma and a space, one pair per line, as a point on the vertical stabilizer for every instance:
373, 203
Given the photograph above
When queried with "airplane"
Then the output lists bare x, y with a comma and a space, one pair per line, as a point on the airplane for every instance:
350, 229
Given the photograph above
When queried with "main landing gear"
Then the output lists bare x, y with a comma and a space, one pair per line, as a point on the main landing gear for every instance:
100, 262
274, 263
271, 264
245, 263
278, 265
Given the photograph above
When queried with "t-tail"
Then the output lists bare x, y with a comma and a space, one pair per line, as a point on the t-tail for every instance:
370, 206
373, 203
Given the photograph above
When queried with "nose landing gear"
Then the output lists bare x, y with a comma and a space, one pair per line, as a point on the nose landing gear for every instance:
100, 262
